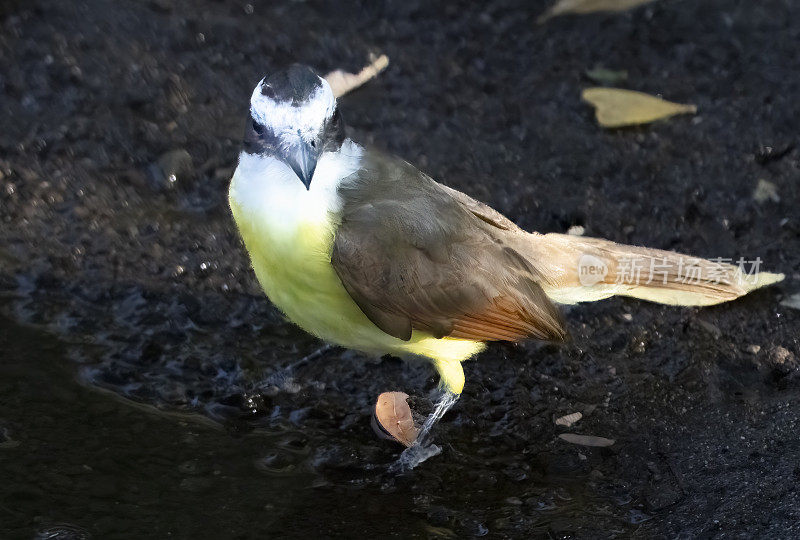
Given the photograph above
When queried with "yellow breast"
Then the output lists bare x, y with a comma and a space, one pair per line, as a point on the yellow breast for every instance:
290, 250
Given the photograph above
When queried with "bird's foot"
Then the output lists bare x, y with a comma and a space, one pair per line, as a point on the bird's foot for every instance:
423, 448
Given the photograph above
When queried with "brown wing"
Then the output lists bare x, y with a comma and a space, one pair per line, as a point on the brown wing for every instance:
414, 257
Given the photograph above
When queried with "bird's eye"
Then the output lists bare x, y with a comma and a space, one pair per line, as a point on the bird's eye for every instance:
313, 144
258, 128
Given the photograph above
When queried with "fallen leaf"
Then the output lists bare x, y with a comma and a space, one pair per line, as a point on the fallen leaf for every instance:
582, 7
342, 82
765, 191
618, 108
393, 416
568, 419
608, 77
586, 440
792, 302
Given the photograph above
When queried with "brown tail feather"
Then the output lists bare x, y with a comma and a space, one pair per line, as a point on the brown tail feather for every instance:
578, 269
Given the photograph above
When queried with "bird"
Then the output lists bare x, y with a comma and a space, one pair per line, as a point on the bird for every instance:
365, 251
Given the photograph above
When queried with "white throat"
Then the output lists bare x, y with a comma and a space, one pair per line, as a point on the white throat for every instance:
270, 193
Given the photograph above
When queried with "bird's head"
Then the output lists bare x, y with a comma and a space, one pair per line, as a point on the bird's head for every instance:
294, 117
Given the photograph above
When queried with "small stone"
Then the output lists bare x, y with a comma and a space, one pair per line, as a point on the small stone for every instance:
782, 361
576, 230
767, 153
766, 191
781, 356
753, 349
175, 165
709, 327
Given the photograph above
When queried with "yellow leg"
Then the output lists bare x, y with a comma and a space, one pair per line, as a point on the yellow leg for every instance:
451, 374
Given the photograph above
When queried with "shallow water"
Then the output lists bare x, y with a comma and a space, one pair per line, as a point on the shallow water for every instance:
424, 448
78, 460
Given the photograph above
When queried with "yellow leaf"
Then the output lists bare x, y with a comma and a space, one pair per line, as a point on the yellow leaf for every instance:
589, 6
617, 108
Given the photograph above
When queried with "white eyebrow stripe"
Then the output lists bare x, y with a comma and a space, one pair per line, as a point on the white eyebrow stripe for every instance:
306, 118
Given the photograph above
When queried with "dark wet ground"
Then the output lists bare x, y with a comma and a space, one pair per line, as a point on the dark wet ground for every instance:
117, 283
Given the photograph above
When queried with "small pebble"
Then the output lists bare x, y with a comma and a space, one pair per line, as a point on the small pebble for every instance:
766, 191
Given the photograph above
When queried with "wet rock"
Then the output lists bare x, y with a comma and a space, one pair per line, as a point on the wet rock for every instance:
753, 349
710, 328
782, 361
768, 153
171, 168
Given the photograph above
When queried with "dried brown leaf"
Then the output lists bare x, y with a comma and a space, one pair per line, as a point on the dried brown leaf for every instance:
393, 415
342, 82
617, 108
586, 440
582, 7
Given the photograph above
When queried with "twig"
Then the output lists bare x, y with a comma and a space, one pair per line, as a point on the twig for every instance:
342, 82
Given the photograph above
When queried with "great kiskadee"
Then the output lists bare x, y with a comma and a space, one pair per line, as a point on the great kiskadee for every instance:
363, 250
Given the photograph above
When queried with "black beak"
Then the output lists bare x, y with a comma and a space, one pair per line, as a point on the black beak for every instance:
303, 160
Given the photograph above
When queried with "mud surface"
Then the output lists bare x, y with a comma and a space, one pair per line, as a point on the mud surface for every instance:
136, 343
